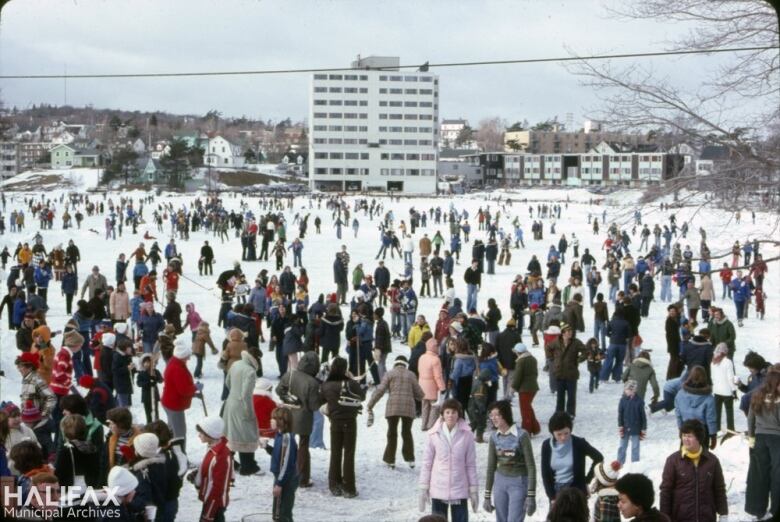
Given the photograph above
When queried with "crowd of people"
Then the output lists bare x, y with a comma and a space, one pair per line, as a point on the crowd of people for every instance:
363, 340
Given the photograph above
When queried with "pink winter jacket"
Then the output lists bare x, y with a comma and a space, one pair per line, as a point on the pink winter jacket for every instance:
449, 472
430, 374
193, 319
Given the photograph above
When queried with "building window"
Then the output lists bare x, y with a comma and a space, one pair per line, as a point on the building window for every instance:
426, 104
320, 89
426, 91
410, 78
410, 116
395, 104
410, 142
396, 91
335, 170
351, 103
396, 78
363, 115
410, 104
320, 76
413, 172
351, 172
363, 103
320, 170
363, 128
334, 141
335, 128
411, 91
320, 114
383, 78
336, 115
383, 103
335, 89
336, 155
320, 128
426, 78
396, 116
334, 102
396, 142
319, 141
364, 90
383, 90
350, 141
320, 155
410, 129
320, 102
335, 77
364, 155
397, 156
350, 77
351, 155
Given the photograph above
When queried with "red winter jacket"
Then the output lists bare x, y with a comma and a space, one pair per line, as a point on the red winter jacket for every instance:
179, 387
62, 372
264, 406
213, 479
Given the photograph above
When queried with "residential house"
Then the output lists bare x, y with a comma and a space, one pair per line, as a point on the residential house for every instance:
73, 155
139, 147
147, 169
712, 157
224, 153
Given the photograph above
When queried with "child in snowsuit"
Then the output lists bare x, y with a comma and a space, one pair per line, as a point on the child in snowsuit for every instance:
284, 457
147, 380
595, 356
478, 403
213, 476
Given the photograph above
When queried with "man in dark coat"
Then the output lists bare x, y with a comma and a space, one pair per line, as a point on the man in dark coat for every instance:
382, 282
505, 343
672, 327
340, 278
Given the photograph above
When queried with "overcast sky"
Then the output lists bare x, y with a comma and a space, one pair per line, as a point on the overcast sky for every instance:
126, 36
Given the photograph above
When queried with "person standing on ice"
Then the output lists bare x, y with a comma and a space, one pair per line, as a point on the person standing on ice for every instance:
473, 279
448, 476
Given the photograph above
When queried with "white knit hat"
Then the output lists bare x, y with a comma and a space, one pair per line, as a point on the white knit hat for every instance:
520, 348
181, 350
455, 325
146, 445
263, 385
120, 328
607, 475
212, 426
122, 480
108, 339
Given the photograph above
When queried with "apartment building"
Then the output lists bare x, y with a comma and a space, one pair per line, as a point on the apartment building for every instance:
9, 159
605, 164
374, 127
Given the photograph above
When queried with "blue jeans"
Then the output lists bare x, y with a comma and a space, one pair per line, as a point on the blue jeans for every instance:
593, 383
667, 403
621, 456
600, 332
407, 321
316, 440
297, 259
553, 382
613, 290
407, 257
509, 497
666, 288
123, 400
168, 511
628, 275
491, 266
471, 297
613, 364
726, 290
459, 512
395, 317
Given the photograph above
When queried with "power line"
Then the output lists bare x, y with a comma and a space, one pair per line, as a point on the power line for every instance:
344, 69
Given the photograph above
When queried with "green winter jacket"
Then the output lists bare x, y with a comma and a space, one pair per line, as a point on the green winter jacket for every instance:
641, 370
525, 376
722, 332
357, 277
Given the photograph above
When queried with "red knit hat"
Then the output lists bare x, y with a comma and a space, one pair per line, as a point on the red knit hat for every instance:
33, 359
86, 381
30, 413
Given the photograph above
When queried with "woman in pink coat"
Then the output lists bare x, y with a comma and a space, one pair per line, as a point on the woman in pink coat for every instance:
193, 319
448, 477
431, 381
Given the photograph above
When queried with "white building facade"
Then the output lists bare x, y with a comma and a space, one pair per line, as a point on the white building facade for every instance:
374, 128
221, 153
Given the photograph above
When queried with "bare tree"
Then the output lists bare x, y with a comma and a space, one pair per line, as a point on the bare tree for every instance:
490, 134
736, 107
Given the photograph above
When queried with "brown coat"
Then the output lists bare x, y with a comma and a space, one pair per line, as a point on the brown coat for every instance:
233, 348
572, 315
404, 390
202, 338
566, 359
695, 493
425, 246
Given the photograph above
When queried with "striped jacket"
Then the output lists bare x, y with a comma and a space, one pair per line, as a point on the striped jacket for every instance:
213, 479
62, 372
35, 389
284, 458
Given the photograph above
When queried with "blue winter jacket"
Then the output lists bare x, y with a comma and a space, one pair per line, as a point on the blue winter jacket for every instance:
283, 466
696, 403
257, 299
449, 266
20, 307
619, 330
42, 277
536, 296
140, 270
490, 365
464, 367
70, 283
705, 267
151, 326
631, 415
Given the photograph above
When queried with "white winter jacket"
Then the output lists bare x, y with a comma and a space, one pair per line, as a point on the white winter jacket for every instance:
723, 377
408, 245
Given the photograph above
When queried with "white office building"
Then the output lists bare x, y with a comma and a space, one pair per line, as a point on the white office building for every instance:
374, 127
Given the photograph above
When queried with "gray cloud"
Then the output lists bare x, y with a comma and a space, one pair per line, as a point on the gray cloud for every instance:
91, 36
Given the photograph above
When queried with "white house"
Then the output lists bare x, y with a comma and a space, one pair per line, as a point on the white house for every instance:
139, 147
224, 153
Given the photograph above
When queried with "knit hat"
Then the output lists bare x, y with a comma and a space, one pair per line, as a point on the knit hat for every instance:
9, 408
552, 330
722, 349
30, 413
401, 361
212, 427
534, 306
456, 326
263, 386
32, 359
122, 481
120, 328
181, 350
73, 340
520, 348
630, 385
86, 381
511, 323
146, 445
108, 339
607, 476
